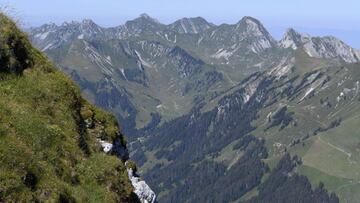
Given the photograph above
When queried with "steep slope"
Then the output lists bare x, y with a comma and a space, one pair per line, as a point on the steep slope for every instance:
51, 139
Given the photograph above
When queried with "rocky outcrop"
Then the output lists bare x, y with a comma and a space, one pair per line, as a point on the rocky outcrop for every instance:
327, 47
190, 25
141, 188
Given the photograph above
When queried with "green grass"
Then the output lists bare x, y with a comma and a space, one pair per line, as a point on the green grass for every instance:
325, 155
331, 160
45, 154
346, 189
336, 151
328, 159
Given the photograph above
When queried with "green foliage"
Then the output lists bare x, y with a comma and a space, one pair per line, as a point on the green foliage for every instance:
86, 112
15, 50
41, 112
284, 185
132, 165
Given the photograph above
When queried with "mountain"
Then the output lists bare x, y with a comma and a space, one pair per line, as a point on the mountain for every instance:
225, 113
191, 25
140, 26
320, 47
54, 145
136, 57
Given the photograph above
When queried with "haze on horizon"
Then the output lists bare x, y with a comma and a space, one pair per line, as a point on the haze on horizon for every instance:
318, 18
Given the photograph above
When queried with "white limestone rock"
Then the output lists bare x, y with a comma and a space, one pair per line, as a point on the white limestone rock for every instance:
320, 47
141, 189
106, 146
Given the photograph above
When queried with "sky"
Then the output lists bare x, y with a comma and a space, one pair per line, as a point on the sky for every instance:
316, 17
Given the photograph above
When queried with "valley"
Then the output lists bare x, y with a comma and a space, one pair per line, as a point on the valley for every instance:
222, 107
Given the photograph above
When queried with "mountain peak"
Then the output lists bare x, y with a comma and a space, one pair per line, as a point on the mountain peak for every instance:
70, 23
89, 25
250, 19
190, 25
88, 22
252, 26
145, 16
328, 47
291, 32
293, 39
143, 21
48, 26
253, 22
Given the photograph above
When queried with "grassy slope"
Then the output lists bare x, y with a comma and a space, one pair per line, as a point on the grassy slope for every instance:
331, 157
46, 153
335, 155
323, 155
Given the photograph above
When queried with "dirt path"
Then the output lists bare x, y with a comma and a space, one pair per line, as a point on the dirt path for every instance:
337, 148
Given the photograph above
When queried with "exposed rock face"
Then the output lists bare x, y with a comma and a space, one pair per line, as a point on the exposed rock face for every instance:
293, 39
330, 47
141, 188
191, 25
106, 146
116, 148
320, 47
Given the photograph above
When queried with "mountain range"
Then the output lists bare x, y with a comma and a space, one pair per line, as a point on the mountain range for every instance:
223, 108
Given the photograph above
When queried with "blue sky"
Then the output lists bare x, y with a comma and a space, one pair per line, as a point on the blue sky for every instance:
317, 17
